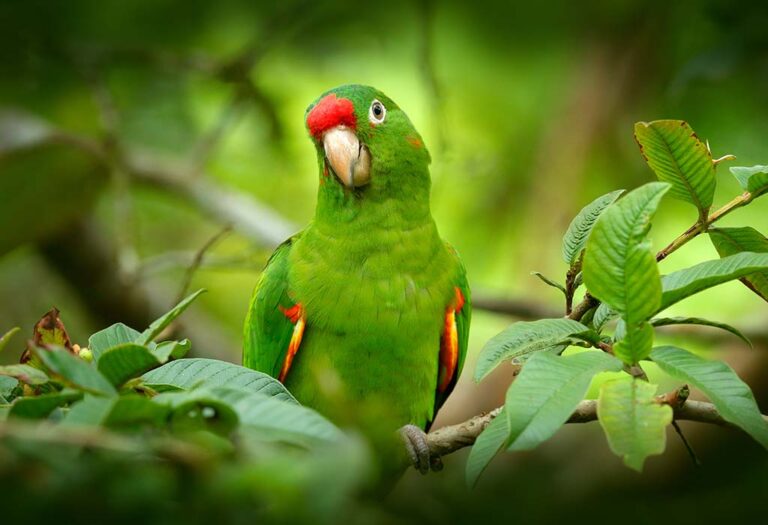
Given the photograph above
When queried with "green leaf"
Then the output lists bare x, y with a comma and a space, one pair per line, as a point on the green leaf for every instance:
620, 269
7, 337
634, 423
634, 343
729, 241
486, 446
39, 407
171, 349
603, 314
546, 280
273, 419
123, 362
7, 386
730, 395
199, 409
677, 156
689, 281
125, 412
575, 239
522, 339
25, 373
75, 371
160, 324
186, 374
115, 335
668, 321
546, 392
754, 179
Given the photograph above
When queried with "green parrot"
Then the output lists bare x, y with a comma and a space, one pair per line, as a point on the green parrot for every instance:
367, 310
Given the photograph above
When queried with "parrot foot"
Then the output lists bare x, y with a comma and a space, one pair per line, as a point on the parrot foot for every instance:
418, 450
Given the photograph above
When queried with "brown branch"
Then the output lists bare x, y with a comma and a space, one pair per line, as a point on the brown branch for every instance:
514, 307
447, 440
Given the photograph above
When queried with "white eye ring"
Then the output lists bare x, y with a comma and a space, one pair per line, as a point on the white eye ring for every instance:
377, 112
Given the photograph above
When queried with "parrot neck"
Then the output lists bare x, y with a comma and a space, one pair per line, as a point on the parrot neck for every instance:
374, 207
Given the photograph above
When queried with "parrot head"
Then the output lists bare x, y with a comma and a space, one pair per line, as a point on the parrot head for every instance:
366, 142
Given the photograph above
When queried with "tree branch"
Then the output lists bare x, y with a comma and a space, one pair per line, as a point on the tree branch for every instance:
447, 440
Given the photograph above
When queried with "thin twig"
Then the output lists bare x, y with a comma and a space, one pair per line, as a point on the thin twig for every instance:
198, 259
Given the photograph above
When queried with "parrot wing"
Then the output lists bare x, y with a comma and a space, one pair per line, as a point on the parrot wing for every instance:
455, 337
275, 323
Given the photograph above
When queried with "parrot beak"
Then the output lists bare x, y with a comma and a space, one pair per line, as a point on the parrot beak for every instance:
349, 159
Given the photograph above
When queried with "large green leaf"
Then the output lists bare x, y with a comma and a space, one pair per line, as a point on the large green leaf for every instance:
729, 241
129, 411
160, 324
689, 281
7, 386
522, 339
669, 321
123, 362
75, 371
576, 237
273, 419
25, 373
38, 407
620, 269
186, 374
114, 335
546, 392
754, 179
634, 423
198, 409
677, 156
730, 395
486, 446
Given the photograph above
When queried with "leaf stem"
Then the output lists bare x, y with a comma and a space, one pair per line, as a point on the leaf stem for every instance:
702, 226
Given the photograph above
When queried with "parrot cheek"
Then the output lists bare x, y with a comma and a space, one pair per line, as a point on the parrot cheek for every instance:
349, 159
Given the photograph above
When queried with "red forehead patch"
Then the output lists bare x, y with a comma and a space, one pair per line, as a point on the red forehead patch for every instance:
331, 112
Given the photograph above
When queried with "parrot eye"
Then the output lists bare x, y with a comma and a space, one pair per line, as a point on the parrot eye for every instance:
377, 112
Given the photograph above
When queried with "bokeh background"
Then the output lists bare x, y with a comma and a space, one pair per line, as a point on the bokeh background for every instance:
133, 133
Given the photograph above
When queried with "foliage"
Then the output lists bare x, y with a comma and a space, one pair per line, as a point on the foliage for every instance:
135, 405
622, 279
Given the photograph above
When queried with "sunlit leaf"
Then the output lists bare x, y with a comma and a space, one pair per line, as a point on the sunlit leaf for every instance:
730, 241
689, 281
620, 269
522, 339
677, 156
753, 179
576, 237
547, 391
730, 395
634, 423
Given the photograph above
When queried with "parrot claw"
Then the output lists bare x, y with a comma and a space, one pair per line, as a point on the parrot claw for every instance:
418, 450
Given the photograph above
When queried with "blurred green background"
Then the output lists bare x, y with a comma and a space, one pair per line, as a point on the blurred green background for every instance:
131, 133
